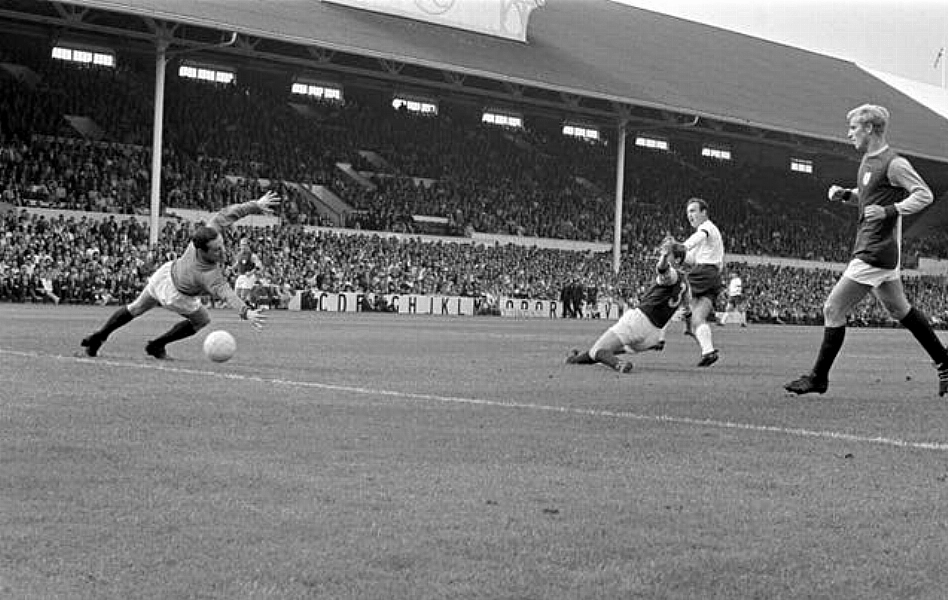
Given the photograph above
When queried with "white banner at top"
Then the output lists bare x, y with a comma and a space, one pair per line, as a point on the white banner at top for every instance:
500, 18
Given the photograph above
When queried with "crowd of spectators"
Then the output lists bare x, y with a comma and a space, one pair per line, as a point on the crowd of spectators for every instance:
223, 142
227, 143
88, 261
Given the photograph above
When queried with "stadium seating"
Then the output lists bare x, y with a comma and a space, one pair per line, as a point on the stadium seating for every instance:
79, 139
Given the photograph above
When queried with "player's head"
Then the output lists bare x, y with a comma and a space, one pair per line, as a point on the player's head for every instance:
866, 122
697, 211
678, 252
209, 244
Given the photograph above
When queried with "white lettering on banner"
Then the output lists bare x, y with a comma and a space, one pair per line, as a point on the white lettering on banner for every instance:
416, 304
526, 308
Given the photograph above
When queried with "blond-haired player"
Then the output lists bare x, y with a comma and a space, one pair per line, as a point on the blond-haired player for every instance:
887, 187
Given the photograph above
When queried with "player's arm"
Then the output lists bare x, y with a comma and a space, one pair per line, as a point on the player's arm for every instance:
219, 288
264, 205
696, 238
847, 196
902, 174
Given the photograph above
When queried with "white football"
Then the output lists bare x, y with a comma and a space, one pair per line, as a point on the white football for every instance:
219, 346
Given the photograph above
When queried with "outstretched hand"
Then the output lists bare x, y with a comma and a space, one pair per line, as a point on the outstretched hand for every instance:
257, 318
268, 202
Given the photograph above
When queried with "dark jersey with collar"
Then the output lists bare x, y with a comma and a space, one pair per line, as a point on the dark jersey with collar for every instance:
664, 297
193, 276
878, 242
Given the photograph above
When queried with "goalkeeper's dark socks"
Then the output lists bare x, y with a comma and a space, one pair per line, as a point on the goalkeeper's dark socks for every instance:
119, 318
833, 338
181, 330
916, 322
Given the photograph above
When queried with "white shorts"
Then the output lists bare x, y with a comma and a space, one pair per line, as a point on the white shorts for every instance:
161, 288
245, 282
635, 331
866, 274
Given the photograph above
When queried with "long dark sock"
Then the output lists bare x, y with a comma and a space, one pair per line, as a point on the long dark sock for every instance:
119, 317
181, 330
582, 358
916, 322
832, 341
606, 357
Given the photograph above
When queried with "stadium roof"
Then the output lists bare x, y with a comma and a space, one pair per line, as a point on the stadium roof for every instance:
592, 55
932, 96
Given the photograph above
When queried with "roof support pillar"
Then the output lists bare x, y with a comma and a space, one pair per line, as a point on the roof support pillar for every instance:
161, 61
620, 184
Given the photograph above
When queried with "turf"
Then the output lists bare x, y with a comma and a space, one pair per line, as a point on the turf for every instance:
393, 457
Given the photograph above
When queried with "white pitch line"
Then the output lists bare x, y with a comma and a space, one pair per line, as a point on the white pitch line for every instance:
587, 412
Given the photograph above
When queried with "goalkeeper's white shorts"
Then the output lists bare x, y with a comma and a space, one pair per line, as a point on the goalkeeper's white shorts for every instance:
161, 288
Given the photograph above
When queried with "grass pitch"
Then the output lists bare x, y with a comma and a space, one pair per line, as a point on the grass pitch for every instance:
391, 457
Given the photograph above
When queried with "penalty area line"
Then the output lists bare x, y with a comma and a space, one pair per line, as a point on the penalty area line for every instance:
568, 410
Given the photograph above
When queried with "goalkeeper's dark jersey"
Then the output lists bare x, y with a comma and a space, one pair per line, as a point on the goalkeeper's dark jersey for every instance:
663, 298
194, 277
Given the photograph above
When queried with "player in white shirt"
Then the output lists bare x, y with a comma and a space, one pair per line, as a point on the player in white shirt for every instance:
706, 257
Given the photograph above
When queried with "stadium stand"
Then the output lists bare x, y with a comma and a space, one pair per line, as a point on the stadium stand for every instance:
77, 139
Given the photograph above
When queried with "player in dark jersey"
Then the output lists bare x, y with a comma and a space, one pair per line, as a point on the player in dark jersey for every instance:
640, 328
246, 265
887, 188
178, 284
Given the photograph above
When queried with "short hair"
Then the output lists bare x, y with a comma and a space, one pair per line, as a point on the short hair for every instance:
679, 251
875, 115
202, 236
702, 203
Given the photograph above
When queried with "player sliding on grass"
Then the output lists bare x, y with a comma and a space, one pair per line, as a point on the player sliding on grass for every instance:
178, 284
640, 328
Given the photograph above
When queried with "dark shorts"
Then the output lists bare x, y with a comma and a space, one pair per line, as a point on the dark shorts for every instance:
737, 299
705, 280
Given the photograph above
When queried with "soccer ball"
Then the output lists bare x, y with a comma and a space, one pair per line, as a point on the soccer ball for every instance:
219, 346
